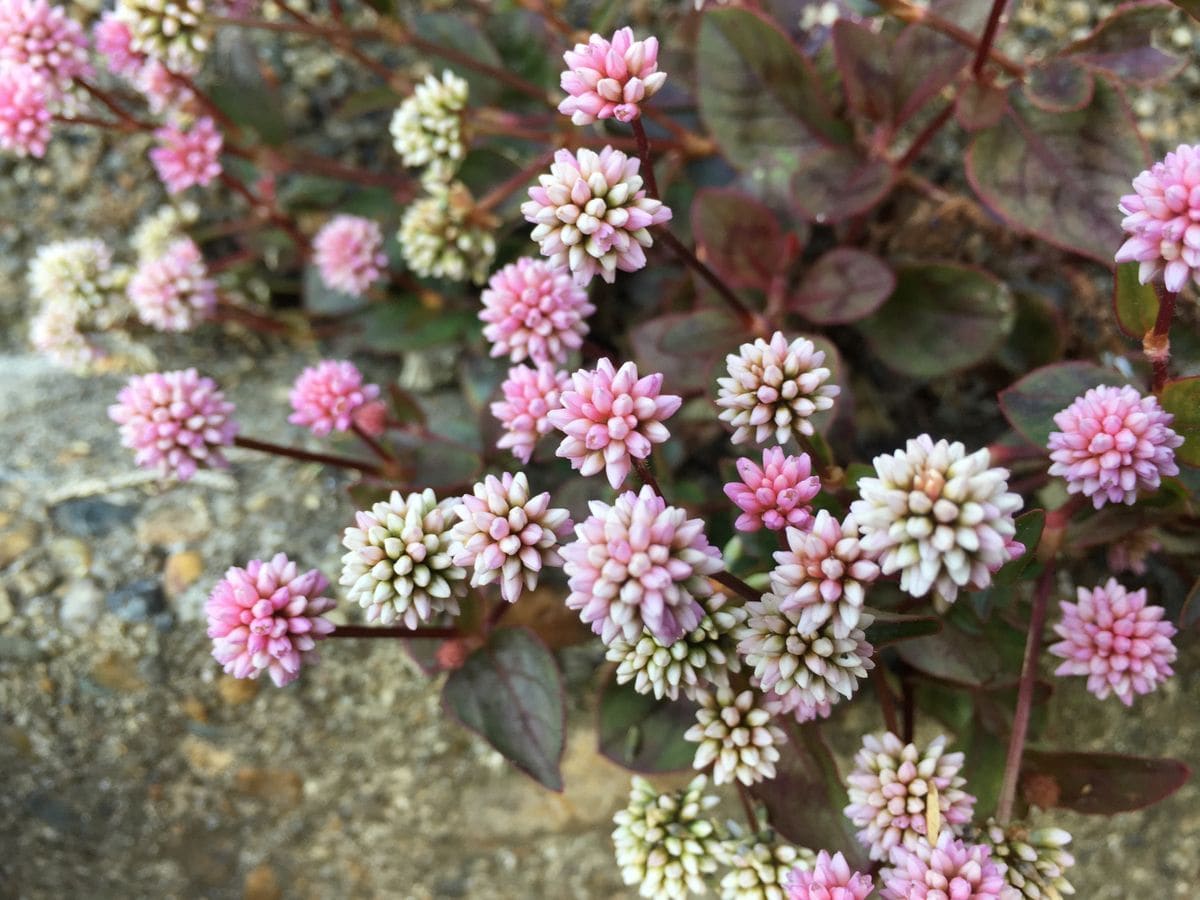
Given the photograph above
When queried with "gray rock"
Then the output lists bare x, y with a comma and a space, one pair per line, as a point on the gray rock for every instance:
92, 517
17, 649
140, 601
81, 606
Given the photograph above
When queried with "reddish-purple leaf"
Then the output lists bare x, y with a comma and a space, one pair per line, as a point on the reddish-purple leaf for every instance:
1189, 616
740, 238
1031, 403
685, 346
832, 185
1060, 85
1099, 783
1136, 305
953, 656
644, 734
1057, 175
1181, 398
510, 693
844, 285
893, 628
924, 62
863, 59
978, 105
1122, 45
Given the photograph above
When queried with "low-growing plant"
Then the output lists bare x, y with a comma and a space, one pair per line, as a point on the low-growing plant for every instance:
716, 269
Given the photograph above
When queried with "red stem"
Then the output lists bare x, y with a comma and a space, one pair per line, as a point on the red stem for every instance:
735, 584
377, 448
643, 470
500, 192
989, 36
643, 149
921, 141
341, 462
745, 315
887, 702
1157, 343
372, 631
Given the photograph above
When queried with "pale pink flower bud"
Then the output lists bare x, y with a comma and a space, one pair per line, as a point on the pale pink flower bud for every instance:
534, 311
830, 879
328, 397
775, 495
173, 292
186, 158
610, 79
529, 397
1162, 219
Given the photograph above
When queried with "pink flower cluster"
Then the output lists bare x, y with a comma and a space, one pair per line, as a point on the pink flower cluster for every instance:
950, 871
268, 617
1162, 218
1113, 444
610, 418
348, 252
1115, 638
114, 41
830, 878
609, 79
532, 310
331, 396
187, 158
37, 36
174, 422
173, 292
24, 112
524, 413
775, 495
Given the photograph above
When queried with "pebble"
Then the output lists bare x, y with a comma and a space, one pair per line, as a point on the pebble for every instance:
16, 540
81, 606
282, 786
261, 884
17, 649
91, 517
140, 601
174, 522
181, 571
117, 673
6, 606
236, 691
204, 758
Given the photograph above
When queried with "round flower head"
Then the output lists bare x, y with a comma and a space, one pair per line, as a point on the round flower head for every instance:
889, 790
162, 228
735, 737
173, 292
173, 32
398, 565
1113, 444
823, 575
591, 215
775, 495
114, 41
267, 618
164, 93
703, 657
941, 518
79, 273
809, 668
174, 422
534, 311
774, 388
830, 878
440, 239
795, 704
186, 158
25, 115
665, 843
503, 534
43, 38
524, 413
759, 866
610, 418
640, 564
950, 871
427, 128
54, 331
1120, 642
1034, 862
348, 252
330, 396
609, 79
1162, 219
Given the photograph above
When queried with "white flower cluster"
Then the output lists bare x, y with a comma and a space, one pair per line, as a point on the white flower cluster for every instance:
427, 128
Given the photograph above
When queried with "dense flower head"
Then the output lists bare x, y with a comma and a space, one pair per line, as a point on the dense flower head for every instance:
114, 41
174, 422
164, 92
173, 292
702, 658
773, 388
43, 38
666, 843
941, 518
506, 534
805, 669
830, 878
440, 238
348, 252
267, 618
183, 159
79, 273
1034, 861
162, 228
796, 705
759, 866
591, 215
524, 413
640, 564
735, 737
54, 332
398, 564
823, 575
25, 114
609, 79
427, 127
776, 494
532, 310
1114, 443
1118, 640
951, 870
330, 396
611, 417
173, 32
889, 790
1162, 219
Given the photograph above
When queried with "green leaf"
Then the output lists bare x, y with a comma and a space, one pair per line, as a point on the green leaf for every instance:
844, 285
644, 734
246, 98
1099, 783
863, 60
1060, 86
760, 98
1136, 305
954, 656
893, 628
1029, 533
686, 346
1056, 175
1123, 45
740, 238
1038, 333
405, 325
986, 754
510, 693
1031, 403
835, 184
942, 317
978, 106
321, 299
1181, 398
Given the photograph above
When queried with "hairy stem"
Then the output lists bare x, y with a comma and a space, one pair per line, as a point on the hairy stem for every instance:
735, 584
341, 462
642, 467
1157, 342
